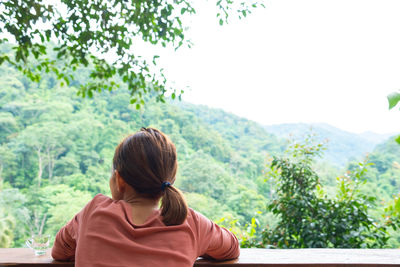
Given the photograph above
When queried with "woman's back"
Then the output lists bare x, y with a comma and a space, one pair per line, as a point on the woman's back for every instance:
103, 234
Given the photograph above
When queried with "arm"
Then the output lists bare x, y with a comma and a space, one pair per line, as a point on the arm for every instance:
217, 242
66, 239
65, 242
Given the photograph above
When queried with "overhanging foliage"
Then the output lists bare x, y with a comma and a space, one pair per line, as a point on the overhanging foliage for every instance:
83, 31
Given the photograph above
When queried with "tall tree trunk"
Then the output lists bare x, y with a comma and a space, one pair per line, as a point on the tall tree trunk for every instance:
42, 224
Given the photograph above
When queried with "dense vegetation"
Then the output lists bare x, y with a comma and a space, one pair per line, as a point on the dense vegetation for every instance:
308, 217
56, 150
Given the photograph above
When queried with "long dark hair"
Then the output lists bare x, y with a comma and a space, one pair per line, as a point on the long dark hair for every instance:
147, 161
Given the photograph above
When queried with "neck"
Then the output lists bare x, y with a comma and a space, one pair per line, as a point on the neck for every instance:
135, 200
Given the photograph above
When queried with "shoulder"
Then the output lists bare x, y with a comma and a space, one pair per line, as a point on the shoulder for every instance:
197, 219
101, 198
195, 214
98, 201
101, 207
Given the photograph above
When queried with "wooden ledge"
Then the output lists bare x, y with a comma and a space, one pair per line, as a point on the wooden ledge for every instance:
249, 257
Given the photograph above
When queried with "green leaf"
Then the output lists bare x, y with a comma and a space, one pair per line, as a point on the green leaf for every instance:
393, 99
154, 59
398, 139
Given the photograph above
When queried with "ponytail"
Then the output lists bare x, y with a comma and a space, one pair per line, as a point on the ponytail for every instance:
147, 161
173, 206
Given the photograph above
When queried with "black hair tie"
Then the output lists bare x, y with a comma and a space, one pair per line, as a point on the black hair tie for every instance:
164, 185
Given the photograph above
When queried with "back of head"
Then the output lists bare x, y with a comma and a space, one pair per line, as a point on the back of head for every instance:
147, 161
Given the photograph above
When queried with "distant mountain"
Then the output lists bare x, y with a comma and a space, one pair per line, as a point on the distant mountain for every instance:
342, 145
375, 137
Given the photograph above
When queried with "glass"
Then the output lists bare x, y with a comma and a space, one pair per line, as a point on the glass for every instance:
39, 244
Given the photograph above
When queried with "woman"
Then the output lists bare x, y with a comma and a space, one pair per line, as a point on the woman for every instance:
130, 229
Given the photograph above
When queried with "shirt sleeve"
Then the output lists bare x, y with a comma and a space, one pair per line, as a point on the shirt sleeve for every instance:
65, 242
215, 241
66, 239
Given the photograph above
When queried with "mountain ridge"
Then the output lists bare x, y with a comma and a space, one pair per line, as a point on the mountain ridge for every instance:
342, 145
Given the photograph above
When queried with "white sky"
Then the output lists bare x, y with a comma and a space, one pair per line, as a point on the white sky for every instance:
297, 61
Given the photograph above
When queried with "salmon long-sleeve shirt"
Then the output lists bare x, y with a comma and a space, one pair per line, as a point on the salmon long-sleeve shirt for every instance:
103, 234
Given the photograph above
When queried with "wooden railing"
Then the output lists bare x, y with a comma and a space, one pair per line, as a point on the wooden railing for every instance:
248, 257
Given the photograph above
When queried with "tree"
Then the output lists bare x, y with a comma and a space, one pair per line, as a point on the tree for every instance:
12, 217
211, 179
308, 218
46, 140
81, 32
63, 203
7, 161
7, 226
246, 202
208, 206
